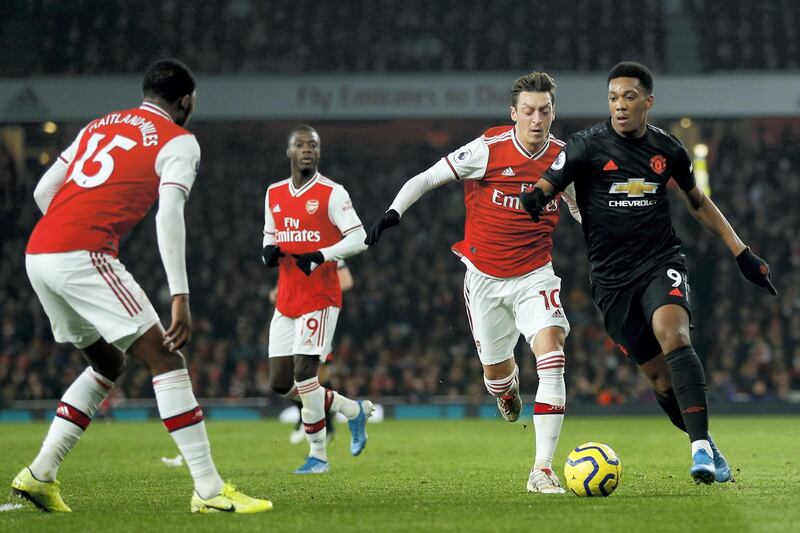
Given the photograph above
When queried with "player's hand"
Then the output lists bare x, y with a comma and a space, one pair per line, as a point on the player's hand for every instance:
389, 219
308, 262
534, 201
271, 254
755, 269
180, 331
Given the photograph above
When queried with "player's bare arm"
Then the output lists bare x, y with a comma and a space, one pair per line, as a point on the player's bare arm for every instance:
707, 213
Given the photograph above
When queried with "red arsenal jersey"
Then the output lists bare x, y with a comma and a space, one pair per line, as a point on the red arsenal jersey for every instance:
316, 216
500, 238
115, 168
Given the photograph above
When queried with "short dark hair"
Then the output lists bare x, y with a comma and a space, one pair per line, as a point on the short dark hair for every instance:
632, 69
537, 82
169, 79
302, 127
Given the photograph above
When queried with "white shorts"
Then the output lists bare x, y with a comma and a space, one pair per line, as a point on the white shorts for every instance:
308, 334
88, 295
500, 309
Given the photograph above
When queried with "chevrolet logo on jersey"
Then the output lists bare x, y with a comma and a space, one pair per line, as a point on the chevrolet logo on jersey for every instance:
634, 188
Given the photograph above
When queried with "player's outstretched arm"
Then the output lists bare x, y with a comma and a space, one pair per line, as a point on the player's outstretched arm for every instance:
707, 213
411, 191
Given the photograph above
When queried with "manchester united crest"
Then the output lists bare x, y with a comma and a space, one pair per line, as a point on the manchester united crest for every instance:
312, 206
658, 163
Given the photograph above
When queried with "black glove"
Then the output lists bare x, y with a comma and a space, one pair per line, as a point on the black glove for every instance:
534, 201
389, 219
304, 261
270, 255
755, 269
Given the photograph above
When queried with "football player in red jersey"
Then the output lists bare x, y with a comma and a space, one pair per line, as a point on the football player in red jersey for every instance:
97, 190
509, 287
299, 434
310, 224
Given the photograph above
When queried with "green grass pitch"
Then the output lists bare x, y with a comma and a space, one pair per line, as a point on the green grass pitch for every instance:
418, 476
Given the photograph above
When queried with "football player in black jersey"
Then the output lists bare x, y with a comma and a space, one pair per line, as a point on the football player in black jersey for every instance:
620, 169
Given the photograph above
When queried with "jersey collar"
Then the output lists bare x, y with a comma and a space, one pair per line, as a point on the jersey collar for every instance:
299, 192
153, 108
524, 151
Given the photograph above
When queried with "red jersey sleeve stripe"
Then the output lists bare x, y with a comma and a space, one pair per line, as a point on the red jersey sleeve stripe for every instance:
449, 164
176, 184
350, 230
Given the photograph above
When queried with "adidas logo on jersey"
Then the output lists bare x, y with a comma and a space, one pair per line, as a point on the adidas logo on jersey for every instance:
558, 314
508, 172
277, 208
610, 166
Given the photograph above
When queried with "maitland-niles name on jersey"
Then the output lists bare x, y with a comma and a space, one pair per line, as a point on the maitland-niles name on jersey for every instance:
146, 128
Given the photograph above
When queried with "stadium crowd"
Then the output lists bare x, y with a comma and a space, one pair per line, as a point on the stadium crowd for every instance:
89, 37
233, 36
403, 330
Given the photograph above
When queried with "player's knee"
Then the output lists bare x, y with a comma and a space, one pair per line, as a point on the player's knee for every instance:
279, 385
305, 367
673, 337
111, 369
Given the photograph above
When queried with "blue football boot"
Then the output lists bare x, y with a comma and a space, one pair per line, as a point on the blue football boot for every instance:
723, 470
702, 470
313, 466
358, 427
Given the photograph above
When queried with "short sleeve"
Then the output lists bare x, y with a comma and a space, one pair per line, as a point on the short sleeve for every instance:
682, 168
469, 162
178, 161
567, 165
341, 211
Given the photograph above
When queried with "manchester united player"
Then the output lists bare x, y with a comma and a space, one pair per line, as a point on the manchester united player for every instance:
310, 224
100, 187
509, 287
620, 169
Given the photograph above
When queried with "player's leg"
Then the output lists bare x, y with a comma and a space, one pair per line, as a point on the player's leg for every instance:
671, 328
541, 319
183, 418
314, 339
78, 406
312, 395
665, 301
658, 372
330, 414
179, 409
281, 367
37, 482
492, 324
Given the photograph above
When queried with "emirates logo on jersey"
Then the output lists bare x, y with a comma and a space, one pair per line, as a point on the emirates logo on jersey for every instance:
312, 206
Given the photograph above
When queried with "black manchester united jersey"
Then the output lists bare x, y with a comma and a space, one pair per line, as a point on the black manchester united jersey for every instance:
621, 191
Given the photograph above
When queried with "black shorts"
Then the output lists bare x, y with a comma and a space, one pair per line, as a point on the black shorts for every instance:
627, 311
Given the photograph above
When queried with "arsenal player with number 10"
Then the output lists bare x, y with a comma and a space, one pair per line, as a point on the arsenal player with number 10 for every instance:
509, 287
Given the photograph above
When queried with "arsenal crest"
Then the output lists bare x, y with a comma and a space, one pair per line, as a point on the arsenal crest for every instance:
312, 206
658, 163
